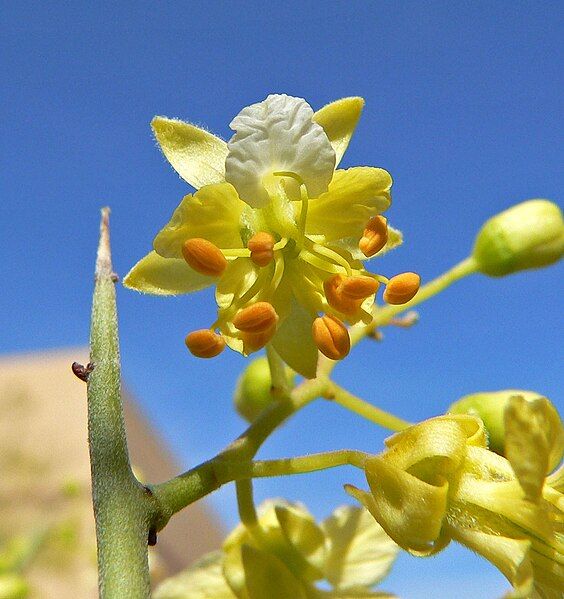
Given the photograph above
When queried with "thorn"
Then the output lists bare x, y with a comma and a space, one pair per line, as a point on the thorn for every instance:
152, 538
82, 372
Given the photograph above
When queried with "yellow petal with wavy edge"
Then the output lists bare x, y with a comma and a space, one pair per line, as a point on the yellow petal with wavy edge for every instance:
195, 154
339, 120
203, 580
212, 213
164, 276
408, 509
360, 553
434, 448
294, 342
510, 556
534, 441
354, 196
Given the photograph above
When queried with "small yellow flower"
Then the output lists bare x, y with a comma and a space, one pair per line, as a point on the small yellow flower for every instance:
437, 481
273, 221
286, 553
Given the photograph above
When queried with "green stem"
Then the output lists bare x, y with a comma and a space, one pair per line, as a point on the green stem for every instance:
245, 502
186, 488
122, 507
277, 371
366, 410
228, 471
383, 316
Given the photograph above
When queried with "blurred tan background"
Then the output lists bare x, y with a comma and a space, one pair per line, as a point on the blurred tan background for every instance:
47, 541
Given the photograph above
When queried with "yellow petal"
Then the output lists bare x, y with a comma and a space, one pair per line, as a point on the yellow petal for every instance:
212, 213
164, 276
534, 441
196, 155
339, 120
510, 556
354, 196
360, 552
433, 448
408, 509
203, 580
294, 342
267, 576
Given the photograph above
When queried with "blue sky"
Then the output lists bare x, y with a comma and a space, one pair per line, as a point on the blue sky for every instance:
463, 107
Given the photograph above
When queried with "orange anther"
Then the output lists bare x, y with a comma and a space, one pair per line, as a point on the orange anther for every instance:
401, 288
257, 318
331, 337
205, 343
346, 294
204, 257
261, 246
374, 237
359, 287
256, 341
335, 298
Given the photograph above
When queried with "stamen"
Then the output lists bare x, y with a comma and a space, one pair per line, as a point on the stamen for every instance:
315, 260
256, 341
277, 276
257, 318
374, 237
335, 298
236, 253
402, 288
331, 337
261, 246
359, 287
328, 253
204, 257
205, 343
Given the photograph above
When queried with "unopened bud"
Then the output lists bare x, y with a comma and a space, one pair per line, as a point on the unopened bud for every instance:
254, 389
401, 288
257, 318
205, 343
528, 235
204, 257
374, 237
331, 337
261, 246
490, 407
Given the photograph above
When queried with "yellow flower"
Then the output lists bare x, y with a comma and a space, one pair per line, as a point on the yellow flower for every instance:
281, 233
437, 481
287, 553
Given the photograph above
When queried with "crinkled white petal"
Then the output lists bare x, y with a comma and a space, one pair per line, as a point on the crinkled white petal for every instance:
275, 135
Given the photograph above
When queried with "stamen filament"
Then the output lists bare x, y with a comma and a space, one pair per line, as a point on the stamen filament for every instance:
236, 253
280, 245
315, 260
328, 253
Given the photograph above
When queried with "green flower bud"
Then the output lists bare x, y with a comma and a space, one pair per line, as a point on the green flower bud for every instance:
13, 586
528, 235
490, 407
253, 391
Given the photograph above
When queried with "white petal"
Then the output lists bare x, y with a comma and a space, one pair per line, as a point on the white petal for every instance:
275, 135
